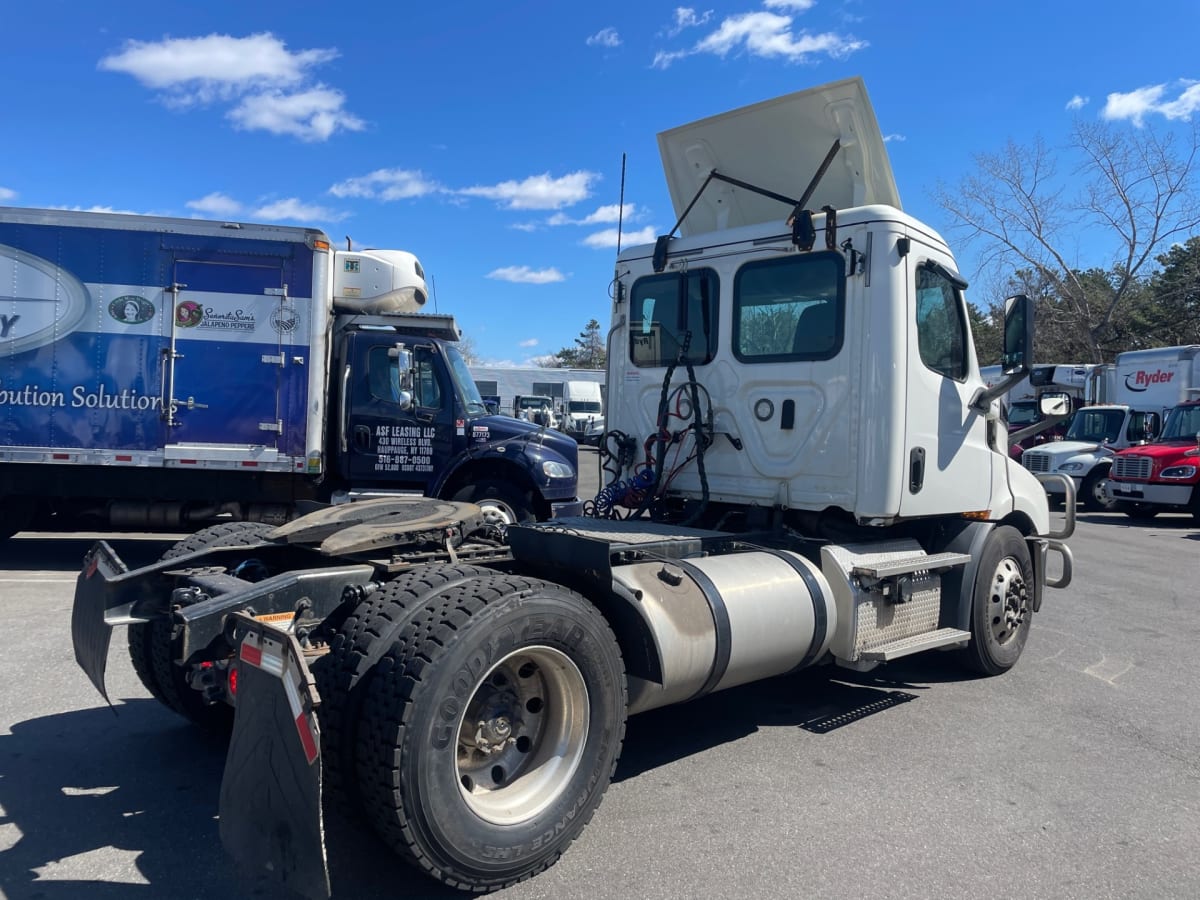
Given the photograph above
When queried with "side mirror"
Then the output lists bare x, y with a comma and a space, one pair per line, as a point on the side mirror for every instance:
1054, 405
1018, 351
1018, 335
403, 375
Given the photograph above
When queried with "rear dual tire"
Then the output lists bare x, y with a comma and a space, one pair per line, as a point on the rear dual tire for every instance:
151, 649
492, 730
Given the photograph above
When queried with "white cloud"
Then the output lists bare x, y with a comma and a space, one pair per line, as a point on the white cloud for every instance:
217, 65
530, 342
312, 115
526, 275
524, 226
217, 205
1077, 102
767, 35
605, 37
604, 215
270, 84
602, 240
387, 184
793, 5
685, 17
538, 191
7, 194
104, 209
1144, 101
898, 138
291, 209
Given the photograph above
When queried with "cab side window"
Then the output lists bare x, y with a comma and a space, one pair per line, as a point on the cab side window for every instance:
941, 323
427, 393
383, 374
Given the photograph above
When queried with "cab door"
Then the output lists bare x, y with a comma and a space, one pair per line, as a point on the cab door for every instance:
948, 465
385, 444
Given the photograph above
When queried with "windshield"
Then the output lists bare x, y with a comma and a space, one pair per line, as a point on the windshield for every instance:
534, 402
1183, 424
464, 384
1023, 412
1096, 425
583, 406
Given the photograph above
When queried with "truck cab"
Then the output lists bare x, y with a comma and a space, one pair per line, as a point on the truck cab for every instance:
1086, 451
409, 418
1163, 475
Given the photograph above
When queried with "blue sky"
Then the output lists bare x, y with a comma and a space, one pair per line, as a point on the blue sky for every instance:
487, 137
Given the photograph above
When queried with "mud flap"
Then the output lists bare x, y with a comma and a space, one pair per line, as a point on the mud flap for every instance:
271, 792
90, 630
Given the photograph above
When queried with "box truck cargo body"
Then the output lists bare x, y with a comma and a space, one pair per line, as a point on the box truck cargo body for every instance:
165, 371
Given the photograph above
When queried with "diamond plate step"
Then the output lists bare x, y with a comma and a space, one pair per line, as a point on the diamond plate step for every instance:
915, 644
920, 563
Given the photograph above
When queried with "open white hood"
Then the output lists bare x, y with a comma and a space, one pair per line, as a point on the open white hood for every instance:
779, 145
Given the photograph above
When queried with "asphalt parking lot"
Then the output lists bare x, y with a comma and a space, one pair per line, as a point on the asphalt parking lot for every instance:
1075, 775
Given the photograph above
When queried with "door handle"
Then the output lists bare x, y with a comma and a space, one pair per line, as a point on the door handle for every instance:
362, 437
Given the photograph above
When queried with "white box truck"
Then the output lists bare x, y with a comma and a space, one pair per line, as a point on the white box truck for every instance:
167, 373
583, 412
809, 470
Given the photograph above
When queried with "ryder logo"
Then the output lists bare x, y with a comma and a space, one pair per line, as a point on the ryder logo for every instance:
1141, 380
41, 301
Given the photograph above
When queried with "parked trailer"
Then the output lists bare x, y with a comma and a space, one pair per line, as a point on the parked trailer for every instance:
783, 492
167, 373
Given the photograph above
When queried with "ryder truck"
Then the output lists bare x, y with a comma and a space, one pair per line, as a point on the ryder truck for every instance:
1140, 387
1164, 475
162, 373
804, 468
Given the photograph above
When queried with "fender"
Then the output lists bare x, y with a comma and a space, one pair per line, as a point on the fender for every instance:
524, 453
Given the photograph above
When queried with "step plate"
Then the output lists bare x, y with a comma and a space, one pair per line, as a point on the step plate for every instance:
907, 646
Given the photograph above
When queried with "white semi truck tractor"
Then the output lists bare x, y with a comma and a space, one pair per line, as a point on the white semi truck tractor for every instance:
804, 468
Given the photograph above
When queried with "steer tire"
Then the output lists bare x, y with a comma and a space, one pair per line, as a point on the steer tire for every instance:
1002, 603
1091, 492
360, 640
502, 504
150, 648
492, 729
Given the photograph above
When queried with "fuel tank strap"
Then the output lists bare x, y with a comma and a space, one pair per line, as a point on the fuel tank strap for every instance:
722, 639
820, 617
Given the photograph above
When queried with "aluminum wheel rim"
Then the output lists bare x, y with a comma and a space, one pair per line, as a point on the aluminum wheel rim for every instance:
1098, 494
1008, 601
522, 735
497, 512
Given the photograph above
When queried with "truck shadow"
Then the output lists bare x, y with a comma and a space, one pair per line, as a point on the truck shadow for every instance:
64, 553
815, 700
117, 806
100, 806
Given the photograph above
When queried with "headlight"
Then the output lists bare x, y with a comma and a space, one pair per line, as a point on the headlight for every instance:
1178, 472
1071, 467
552, 469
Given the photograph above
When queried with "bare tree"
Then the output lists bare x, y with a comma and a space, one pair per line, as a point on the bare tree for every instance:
1137, 197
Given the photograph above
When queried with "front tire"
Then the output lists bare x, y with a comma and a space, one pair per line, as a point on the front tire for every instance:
1001, 604
1091, 493
502, 504
493, 734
